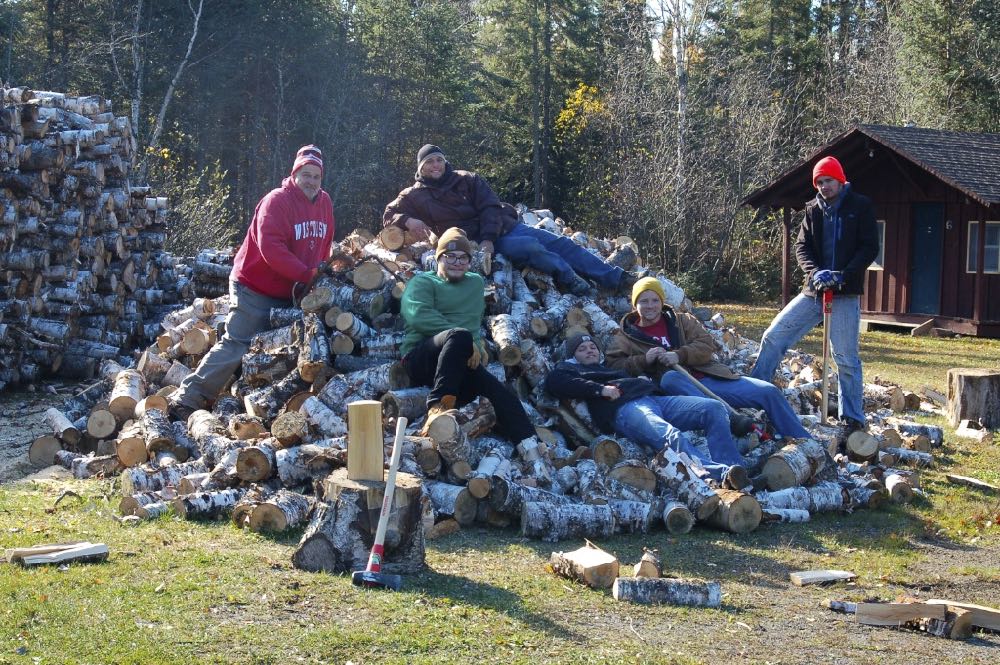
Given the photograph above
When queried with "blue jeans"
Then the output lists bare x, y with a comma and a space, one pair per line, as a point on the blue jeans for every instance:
657, 422
742, 392
555, 255
800, 316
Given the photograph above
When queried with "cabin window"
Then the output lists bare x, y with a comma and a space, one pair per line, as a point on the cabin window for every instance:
991, 263
879, 262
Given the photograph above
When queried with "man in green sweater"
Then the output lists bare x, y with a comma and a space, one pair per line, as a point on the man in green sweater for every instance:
443, 347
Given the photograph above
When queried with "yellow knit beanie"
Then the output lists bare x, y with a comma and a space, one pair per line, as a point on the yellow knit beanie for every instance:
648, 284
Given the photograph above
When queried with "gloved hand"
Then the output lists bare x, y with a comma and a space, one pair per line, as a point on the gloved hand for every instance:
827, 279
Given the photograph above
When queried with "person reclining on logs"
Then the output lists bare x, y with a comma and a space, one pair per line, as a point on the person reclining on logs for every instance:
443, 197
655, 339
635, 408
442, 346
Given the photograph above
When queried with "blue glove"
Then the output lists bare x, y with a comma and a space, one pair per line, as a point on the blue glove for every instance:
823, 279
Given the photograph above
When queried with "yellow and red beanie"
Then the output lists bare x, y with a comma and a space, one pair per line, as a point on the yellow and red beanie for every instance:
831, 168
308, 154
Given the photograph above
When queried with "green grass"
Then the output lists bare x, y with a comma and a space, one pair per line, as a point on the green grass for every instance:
180, 592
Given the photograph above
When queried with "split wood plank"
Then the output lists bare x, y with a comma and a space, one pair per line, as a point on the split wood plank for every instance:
806, 577
971, 482
896, 614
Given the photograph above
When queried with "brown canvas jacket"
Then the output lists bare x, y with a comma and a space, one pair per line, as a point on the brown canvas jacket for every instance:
690, 341
458, 198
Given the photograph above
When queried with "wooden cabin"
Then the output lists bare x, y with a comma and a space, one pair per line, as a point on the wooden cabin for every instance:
937, 201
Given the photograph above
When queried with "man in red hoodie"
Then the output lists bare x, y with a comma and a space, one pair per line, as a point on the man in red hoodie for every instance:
289, 237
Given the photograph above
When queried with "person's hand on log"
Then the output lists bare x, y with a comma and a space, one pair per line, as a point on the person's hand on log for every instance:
486, 247
477, 358
611, 392
418, 229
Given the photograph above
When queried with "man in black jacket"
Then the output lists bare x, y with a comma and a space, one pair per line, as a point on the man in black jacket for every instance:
634, 407
838, 240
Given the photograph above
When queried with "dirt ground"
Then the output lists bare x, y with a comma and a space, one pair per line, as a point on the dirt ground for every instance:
22, 418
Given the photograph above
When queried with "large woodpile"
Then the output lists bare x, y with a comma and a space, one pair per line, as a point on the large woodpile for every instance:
82, 265
279, 432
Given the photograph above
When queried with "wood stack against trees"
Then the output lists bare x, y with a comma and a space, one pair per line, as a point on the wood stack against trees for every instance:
82, 265
276, 434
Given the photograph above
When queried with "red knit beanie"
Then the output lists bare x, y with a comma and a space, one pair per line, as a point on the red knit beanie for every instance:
308, 154
831, 168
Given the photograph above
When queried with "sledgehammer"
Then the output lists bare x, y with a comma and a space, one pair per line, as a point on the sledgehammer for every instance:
372, 576
739, 424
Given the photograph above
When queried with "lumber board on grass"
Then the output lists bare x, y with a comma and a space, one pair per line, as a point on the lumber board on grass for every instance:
46, 554
806, 577
971, 482
896, 614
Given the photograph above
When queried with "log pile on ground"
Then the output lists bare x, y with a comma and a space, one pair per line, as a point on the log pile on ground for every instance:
276, 434
82, 266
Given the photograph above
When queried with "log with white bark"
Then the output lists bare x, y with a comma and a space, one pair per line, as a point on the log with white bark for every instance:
130, 446
129, 388
453, 500
504, 331
632, 516
491, 464
135, 504
554, 522
267, 401
290, 428
737, 512
314, 349
61, 426
911, 457
207, 505
280, 511
677, 518
509, 496
827, 496
339, 536
244, 427
325, 420
258, 462
309, 462
678, 474
667, 591
634, 473
794, 464
410, 403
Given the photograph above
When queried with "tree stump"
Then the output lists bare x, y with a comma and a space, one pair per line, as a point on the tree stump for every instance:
974, 394
340, 535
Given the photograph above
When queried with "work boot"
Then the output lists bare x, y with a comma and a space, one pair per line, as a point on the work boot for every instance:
627, 281
445, 404
179, 411
735, 478
853, 426
577, 286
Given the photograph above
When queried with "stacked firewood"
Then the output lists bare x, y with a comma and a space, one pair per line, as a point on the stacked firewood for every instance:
81, 250
263, 452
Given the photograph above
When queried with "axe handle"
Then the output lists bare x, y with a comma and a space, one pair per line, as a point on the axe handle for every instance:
703, 388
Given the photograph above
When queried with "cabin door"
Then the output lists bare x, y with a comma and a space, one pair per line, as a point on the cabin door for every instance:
925, 261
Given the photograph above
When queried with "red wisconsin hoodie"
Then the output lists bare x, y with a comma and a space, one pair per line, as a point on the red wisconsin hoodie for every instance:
289, 236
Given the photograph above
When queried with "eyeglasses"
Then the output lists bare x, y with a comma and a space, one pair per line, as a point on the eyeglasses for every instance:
456, 258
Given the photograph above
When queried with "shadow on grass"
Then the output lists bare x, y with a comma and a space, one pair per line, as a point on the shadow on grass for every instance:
485, 596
